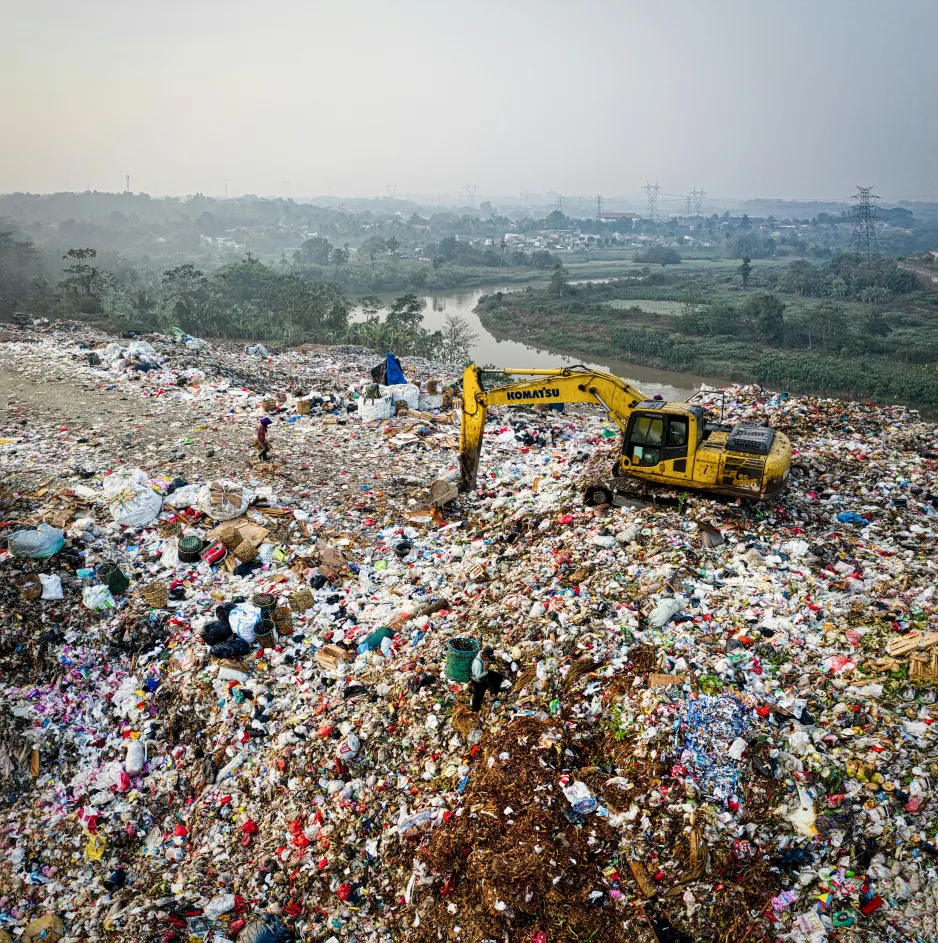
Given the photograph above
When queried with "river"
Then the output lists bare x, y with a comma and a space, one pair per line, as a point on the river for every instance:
490, 349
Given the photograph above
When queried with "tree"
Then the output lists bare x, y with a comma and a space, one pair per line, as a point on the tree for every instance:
406, 313
543, 259
447, 248
558, 281
744, 270
187, 291
371, 306
556, 220
339, 256
457, 341
373, 246
314, 251
82, 280
19, 273
392, 245
767, 314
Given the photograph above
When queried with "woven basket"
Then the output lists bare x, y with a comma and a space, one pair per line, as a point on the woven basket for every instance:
269, 405
302, 600
302, 407
169, 528
230, 538
156, 594
433, 387
264, 601
117, 581
401, 408
29, 586
265, 639
190, 549
282, 618
245, 551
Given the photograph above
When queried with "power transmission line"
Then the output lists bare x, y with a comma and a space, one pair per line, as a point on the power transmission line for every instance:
689, 201
558, 203
652, 193
864, 233
471, 189
391, 188
599, 205
699, 201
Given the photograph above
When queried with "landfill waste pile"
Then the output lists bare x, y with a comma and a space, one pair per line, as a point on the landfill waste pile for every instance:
235, 697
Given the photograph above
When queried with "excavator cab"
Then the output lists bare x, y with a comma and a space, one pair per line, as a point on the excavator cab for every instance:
661, 436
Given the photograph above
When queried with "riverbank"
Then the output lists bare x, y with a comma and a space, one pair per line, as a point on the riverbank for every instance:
591, 328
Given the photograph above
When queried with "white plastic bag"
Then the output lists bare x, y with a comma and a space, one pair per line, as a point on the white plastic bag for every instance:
98, 598
242, 620
185, 496
51, 586
430, 401
169, 552
136, 757
370, 410
131, 500
408, 392
136, 508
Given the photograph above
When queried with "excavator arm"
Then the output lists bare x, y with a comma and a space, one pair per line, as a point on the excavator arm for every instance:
562, 385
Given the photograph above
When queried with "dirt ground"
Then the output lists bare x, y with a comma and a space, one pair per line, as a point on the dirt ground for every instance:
155, 434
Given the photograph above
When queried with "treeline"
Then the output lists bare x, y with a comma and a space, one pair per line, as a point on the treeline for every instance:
245, 300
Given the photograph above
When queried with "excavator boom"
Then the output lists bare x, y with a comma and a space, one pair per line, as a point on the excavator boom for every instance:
670, 444
546, 386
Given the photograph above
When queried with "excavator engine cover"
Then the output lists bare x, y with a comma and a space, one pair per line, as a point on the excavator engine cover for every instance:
746, 437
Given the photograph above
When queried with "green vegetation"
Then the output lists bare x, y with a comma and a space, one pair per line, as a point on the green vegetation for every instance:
865, 330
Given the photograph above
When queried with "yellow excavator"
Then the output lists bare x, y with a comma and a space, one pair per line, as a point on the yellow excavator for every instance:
670, 444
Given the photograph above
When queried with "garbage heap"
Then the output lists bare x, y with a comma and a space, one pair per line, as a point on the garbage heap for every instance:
715, 724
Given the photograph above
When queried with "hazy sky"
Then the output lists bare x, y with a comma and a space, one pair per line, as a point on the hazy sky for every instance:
798, 98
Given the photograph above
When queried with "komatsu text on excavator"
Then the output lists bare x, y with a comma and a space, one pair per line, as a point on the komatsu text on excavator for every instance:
669, 444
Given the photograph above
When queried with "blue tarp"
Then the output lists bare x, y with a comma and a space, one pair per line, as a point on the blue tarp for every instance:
393, 373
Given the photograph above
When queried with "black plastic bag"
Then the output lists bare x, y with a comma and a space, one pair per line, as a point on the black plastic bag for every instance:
215, 632
223, 611
234, 647
266, 929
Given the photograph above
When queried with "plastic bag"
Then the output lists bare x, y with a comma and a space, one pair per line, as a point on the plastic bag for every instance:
136, 508
169, 552
44, 541
215, 632
142, 351
51, 586
185, 496
266, 929
232, 648
370, 410
98, 598
136, 757
242, 619
132, 501
408, 392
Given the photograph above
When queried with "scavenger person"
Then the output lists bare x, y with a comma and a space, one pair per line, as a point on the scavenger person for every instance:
262, 444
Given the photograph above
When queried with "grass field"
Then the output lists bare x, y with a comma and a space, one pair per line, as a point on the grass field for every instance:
652, 306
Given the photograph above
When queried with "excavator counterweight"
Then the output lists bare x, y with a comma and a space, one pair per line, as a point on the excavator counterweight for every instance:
663, 443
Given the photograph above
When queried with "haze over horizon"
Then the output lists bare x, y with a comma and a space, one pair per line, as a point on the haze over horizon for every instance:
799, 100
